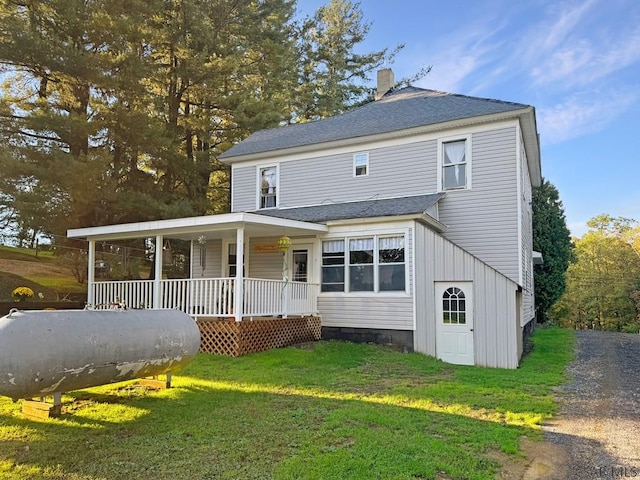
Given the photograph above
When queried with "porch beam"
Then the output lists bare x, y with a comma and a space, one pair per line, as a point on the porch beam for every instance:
157, 277
238, 303
91, 272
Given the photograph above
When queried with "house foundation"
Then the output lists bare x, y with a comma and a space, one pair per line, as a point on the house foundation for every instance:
402, 339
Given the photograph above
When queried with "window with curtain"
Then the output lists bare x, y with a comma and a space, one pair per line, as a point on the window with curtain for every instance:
268, 179
454, 165
332, 266
372, 264
391, 265
361, 265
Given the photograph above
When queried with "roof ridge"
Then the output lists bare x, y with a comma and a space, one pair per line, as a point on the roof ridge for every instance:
443, 93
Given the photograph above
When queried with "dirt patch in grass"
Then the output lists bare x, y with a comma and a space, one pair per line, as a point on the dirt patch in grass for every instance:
540, 460
30, 269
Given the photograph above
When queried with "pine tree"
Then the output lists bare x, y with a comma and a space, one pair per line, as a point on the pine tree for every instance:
551, 237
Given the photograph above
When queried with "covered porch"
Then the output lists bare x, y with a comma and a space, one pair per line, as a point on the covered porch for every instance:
224, 288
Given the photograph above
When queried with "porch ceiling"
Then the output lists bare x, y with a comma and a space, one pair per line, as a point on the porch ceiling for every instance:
191, 228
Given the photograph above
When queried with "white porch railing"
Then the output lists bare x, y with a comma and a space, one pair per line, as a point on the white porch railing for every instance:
212, 297
131, 293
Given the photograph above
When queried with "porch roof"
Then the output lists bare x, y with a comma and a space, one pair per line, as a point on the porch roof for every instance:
190, 228
368, 209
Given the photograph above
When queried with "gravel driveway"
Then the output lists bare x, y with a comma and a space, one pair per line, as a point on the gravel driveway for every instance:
598, 425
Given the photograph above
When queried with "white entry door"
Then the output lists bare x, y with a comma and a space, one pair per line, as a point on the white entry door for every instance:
454, 322
299, 261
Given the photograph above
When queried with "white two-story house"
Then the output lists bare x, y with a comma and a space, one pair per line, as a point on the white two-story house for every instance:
404, 221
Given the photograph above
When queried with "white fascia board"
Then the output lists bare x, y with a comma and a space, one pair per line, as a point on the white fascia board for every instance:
315, 148
181, 226
141, 229
532, 145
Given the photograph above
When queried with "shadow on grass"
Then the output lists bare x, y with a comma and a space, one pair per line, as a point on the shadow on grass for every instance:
338, 411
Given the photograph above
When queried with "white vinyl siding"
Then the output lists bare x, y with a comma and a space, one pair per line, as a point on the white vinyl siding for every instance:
352, 311
393, 171
243, 189
213, 260
264, 264
526, 233
496, 326
484, 220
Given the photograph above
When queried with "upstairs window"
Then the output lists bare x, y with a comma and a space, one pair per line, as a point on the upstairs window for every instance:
268, 181
454, 165
361, 165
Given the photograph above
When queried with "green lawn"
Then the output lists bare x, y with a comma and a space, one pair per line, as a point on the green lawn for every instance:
329, 410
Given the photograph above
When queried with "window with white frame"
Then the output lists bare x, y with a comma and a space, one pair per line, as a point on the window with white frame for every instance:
371, 264
232, 260
333, 266
361, 164
361, 265
391, 276
454, 309
455, 165
268, 184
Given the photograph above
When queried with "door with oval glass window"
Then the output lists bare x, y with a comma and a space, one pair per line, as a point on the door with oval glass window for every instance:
454, 322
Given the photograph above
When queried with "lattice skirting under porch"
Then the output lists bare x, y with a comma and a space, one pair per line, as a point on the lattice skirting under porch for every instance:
234, 339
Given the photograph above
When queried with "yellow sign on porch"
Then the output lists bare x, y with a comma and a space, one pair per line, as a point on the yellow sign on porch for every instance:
270, 247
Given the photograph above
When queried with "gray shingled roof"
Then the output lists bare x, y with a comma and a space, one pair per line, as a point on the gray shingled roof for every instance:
389, 207
398, 110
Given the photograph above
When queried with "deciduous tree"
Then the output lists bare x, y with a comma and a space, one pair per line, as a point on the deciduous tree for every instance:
603, 278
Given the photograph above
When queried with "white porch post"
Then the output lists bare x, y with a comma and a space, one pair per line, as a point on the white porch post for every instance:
91, 272
238, 302
157, 278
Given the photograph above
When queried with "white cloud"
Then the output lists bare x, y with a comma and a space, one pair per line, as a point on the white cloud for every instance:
587, 61
579, 43
462, 54
581, 114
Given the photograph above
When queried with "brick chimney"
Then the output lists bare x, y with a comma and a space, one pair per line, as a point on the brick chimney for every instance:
385, 82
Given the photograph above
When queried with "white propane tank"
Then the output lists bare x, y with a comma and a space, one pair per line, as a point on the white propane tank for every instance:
43, 352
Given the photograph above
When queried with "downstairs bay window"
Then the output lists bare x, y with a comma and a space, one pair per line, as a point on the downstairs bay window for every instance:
368, 264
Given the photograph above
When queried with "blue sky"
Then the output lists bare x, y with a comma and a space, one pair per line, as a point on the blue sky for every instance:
576, 62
